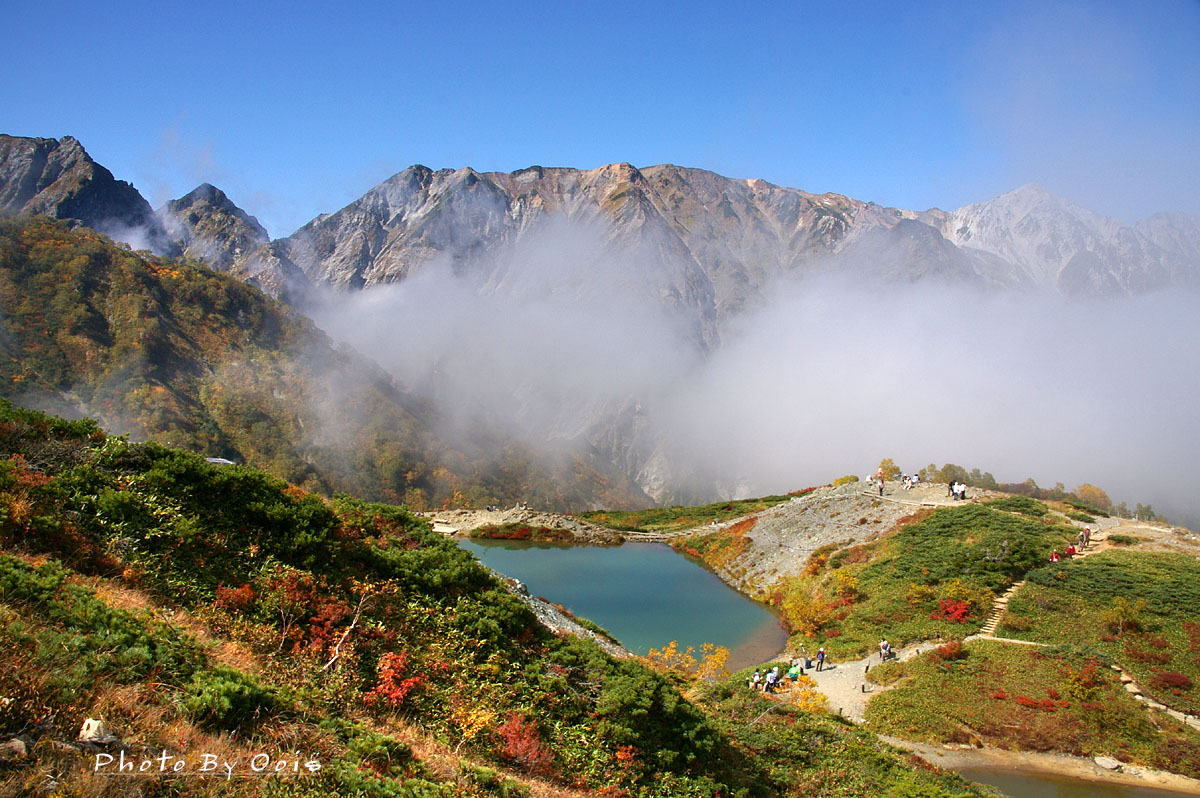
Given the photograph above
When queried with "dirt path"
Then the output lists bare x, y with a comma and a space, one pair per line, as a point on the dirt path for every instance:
845, 685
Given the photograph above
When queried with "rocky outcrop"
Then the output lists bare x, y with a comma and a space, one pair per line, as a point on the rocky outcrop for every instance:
208, 226
56, 177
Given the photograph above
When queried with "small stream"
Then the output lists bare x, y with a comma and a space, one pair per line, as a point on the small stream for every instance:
645, 594
1027, 784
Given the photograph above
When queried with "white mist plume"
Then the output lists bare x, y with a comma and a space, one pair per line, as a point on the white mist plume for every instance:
561, 333
830, 378
561, 328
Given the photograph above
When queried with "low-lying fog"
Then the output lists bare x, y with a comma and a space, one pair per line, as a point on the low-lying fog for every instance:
822, 378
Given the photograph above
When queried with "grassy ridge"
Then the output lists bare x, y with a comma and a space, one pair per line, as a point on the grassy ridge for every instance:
678, 519
934, 578
1027, 698
1141, 609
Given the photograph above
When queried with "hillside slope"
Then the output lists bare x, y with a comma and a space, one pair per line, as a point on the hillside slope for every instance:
167, 349
212, 610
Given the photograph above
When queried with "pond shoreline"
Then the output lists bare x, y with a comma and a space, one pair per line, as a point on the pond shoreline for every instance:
1033, 762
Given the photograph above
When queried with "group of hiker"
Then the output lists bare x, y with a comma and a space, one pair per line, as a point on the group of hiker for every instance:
772, 681
907, 481
1084, 539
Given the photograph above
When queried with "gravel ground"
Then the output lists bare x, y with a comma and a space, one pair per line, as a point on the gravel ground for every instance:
461, 522
785, 535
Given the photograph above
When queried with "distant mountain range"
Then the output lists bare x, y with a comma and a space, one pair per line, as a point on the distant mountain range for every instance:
708, 244
703, 248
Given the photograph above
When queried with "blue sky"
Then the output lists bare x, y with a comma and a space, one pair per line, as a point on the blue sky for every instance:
298, 108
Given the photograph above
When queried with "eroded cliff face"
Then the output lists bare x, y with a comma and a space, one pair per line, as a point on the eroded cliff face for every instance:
56, 177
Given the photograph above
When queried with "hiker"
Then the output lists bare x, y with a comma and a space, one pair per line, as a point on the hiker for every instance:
794, 672
1087, 535
756, 681
885, 651
772, 678
1070, 550
881, 486
1054, 556
821, 659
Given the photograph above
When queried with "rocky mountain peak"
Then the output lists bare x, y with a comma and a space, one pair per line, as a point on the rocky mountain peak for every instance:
56, 177
208, 226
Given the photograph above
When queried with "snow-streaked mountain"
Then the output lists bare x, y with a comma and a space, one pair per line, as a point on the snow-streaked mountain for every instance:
1055, 244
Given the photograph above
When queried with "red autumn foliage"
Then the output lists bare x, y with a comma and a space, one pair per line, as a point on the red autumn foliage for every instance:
950, 651
999, 695
953, 610
235, 599
323, 629
523, 746
392, 687
1170, 680
1193, 633
743, 526
1147, 655
1026, 701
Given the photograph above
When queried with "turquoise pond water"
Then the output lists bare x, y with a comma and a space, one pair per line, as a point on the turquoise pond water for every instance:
645, 594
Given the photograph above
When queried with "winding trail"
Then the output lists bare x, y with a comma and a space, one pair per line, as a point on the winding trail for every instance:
845, 684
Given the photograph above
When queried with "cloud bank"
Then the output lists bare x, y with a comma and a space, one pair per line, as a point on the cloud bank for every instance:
826, 377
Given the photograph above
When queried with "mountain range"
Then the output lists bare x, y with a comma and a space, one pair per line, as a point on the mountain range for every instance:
702, 249
709, 243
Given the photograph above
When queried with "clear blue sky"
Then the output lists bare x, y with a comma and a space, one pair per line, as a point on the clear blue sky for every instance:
298, 108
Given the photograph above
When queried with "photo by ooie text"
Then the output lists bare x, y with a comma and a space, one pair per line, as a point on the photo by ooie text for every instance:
166, 764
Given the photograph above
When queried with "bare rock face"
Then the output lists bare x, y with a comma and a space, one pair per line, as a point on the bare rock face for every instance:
211, 228
56, 177
703, 246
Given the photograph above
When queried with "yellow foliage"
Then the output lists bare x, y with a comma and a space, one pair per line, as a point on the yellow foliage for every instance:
978, 598
806, 607
805, 696
1094, 496
710, 667
845, 583
470, 719
890, 470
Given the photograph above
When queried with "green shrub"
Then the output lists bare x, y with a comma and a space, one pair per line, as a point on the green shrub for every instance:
226, 700
1019, 504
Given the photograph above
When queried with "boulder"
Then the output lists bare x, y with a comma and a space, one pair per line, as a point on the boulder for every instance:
94, 731
13, 749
